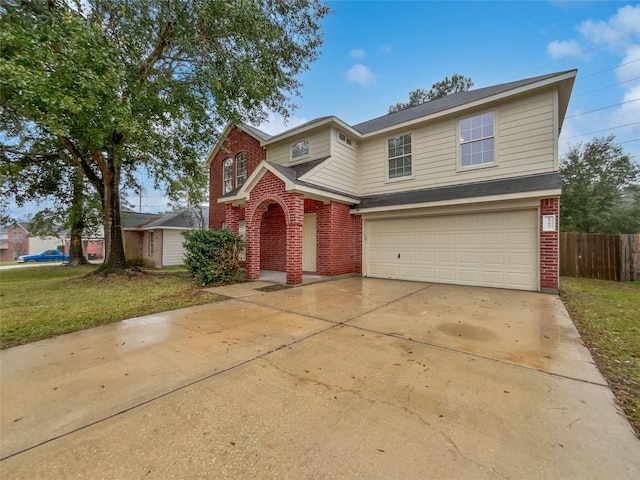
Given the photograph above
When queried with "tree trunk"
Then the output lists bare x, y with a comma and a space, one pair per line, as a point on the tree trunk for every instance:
76, 256
115, 259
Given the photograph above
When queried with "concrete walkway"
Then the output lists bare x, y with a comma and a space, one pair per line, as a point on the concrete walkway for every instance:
353, 378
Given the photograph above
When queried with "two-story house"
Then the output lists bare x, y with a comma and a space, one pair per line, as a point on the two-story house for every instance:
463, 189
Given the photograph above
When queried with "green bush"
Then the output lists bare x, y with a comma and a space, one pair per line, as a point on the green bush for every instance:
212, 255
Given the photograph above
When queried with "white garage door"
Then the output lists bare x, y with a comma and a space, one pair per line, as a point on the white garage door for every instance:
496, 249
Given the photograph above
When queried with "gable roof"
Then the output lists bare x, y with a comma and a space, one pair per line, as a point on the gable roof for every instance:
132, 220
186, 219
243, 127
450, 102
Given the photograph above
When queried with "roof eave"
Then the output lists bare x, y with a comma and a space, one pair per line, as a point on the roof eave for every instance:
564, 79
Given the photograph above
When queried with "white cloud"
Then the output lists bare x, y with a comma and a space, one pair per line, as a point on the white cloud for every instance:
276, 124
361, 74
624, 22
357, 53
566, 48
629, 69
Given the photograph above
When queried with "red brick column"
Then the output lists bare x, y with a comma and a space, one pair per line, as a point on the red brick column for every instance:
549, 247
295, 219
357, 243
232, 218
252, 261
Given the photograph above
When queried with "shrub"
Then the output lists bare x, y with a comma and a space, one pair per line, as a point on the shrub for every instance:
212, 255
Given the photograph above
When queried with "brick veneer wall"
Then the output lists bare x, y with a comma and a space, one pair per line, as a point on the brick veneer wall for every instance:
237, 141
273, 239
269, 190
336, 245
549, 247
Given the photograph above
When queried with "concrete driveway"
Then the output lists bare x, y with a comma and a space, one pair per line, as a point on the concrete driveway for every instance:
353, 378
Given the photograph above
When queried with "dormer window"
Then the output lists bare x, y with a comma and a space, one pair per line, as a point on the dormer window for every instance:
300, 149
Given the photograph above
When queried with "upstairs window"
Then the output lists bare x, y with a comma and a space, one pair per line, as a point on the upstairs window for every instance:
18, 237
399, 157
299, 149
241, 169
477, 140
227, 175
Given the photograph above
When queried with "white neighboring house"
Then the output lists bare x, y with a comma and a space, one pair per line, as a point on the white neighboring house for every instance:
162, 240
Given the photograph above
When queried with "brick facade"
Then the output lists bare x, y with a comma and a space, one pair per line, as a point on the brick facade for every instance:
549, 247
237, 142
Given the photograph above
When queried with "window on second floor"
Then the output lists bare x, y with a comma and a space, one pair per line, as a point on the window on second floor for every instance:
18, 237
299, 149
477, 140
241, 169
227, 175
399, 157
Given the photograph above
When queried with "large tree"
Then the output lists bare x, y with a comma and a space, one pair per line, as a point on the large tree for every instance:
457, 83
122, 85
599, 189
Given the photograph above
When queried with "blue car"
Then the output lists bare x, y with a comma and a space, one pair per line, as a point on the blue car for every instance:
44, 256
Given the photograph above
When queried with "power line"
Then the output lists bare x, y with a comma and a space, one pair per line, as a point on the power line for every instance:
609, 69
603, 88
628, 34
603, 108
603, 130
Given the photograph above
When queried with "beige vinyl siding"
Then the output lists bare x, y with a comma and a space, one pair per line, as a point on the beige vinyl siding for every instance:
172, 249
319, 147
340, 172
525, 144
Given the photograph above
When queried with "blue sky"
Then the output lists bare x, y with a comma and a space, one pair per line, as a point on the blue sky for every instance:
376, 52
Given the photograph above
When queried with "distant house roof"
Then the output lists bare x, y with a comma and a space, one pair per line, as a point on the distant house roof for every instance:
529, 183
133, 220
186, 219
445, 103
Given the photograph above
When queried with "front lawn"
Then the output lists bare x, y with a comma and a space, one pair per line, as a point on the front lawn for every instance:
42, 302
607, 315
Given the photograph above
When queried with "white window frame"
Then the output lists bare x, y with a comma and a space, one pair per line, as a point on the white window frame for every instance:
389, 158
241, 168
151, 243
477, 139
345, 139
303, 154
227, 175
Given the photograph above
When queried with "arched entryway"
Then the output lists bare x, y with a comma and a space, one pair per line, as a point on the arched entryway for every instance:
273, 239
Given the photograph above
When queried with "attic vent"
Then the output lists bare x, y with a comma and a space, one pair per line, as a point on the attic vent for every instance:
345, 139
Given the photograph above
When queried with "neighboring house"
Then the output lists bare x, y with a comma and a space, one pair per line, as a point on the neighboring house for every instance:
15, 240
463, 189
156, 240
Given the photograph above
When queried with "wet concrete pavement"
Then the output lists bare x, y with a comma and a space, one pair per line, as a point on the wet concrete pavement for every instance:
354, 378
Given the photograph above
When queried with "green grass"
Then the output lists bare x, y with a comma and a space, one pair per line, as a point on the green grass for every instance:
607, 315
42, 302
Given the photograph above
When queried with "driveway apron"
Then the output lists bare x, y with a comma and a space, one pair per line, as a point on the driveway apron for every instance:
355, 378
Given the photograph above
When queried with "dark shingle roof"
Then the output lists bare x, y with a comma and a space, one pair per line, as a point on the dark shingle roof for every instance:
441, 104
530, 183
185, 219
256, 132
129, 219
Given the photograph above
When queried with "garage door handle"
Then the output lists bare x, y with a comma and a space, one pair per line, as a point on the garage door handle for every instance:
398, 255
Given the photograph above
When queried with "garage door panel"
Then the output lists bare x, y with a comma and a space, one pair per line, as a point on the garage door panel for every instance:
497, 249
469, 258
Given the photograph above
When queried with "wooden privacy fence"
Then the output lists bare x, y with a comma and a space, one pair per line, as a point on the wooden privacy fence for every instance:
594, 255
